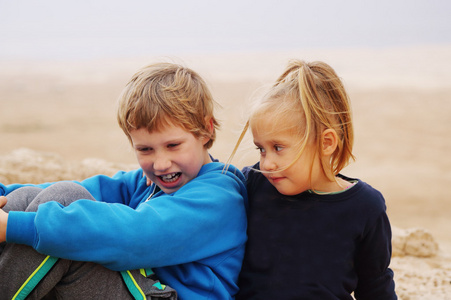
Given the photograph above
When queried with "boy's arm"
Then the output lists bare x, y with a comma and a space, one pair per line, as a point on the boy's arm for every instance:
6, 189
3, 220
118, 188
199, 221
103, 188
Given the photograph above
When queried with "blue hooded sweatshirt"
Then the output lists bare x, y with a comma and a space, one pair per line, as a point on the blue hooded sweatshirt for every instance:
193, 239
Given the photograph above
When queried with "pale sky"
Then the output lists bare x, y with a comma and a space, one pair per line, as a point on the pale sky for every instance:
87, 28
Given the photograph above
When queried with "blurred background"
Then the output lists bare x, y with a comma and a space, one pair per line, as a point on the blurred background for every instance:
63, 65
56, 30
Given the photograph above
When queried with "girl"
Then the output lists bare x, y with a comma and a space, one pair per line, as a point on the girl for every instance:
313, 233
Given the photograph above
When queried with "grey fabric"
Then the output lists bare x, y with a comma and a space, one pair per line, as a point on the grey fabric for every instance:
67, 279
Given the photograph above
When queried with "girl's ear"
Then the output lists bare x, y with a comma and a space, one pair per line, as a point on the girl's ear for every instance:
329, 141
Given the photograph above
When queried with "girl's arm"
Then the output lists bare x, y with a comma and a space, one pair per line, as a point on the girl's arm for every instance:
373, 260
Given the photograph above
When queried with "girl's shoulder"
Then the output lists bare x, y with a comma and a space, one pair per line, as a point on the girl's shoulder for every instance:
365, 195
251, 171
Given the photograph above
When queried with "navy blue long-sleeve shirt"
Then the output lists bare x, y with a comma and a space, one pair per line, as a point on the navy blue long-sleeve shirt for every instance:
312, 246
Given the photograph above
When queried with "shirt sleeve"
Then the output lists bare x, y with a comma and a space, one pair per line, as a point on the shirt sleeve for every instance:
372, 262
205, 217
115, 189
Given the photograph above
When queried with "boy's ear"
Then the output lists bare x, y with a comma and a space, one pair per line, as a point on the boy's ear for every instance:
210, 127
329, 141
209, 121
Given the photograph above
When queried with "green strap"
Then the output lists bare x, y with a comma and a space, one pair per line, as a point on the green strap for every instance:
134, 288
132, 285
35, 278
147, 272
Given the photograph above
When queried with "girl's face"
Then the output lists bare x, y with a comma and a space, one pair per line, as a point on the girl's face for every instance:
170, 157
279, 149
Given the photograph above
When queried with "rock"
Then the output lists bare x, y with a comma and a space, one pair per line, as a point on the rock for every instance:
29, 166
414, 242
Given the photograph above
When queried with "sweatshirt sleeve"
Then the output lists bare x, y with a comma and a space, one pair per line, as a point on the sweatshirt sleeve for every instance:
6, 189
205, 217
373, 259
114, 189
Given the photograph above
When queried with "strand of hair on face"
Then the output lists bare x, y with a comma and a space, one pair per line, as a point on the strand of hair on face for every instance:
232, 155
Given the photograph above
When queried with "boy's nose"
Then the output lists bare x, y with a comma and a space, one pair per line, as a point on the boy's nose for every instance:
161, 163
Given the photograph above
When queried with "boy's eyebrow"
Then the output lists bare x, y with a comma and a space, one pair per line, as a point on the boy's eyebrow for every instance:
136, 146
168, 140
176, 138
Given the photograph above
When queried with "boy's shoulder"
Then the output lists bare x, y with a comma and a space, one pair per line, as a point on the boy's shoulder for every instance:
217, 177
216, 168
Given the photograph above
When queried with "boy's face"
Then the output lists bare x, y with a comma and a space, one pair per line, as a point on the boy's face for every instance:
169, 157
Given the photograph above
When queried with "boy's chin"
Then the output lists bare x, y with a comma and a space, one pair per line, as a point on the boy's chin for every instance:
169, 187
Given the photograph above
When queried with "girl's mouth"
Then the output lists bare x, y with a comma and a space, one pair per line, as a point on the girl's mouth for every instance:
275, 179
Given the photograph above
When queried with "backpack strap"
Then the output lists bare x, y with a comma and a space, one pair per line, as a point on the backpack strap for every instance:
132, 285
35, 277
156, 289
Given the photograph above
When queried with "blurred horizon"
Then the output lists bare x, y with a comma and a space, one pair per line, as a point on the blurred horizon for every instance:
56, 30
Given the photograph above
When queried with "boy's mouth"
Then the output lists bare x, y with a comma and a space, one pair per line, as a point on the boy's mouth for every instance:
168, 178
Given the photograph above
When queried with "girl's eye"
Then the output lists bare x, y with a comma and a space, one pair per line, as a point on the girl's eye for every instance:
260, 149
278, 148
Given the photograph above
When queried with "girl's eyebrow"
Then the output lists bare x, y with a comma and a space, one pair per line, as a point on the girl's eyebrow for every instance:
276, 141
272, 141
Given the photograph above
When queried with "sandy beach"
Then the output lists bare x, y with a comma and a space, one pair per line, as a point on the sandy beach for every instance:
57, 121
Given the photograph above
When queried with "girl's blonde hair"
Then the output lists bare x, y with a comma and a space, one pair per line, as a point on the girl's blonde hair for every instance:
166, 93
311, 96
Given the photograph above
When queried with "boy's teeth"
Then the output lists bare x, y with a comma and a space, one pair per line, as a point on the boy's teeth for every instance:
170, 177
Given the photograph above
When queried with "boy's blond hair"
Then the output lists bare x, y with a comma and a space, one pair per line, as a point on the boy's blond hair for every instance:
164, 93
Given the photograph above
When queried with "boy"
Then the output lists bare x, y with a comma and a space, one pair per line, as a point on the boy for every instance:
188, 226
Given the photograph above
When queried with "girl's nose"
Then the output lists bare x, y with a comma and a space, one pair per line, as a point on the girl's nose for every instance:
268, 164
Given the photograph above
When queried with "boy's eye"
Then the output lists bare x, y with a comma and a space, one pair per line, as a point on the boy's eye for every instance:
260, 149
173, 145
278, 148
145, 149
